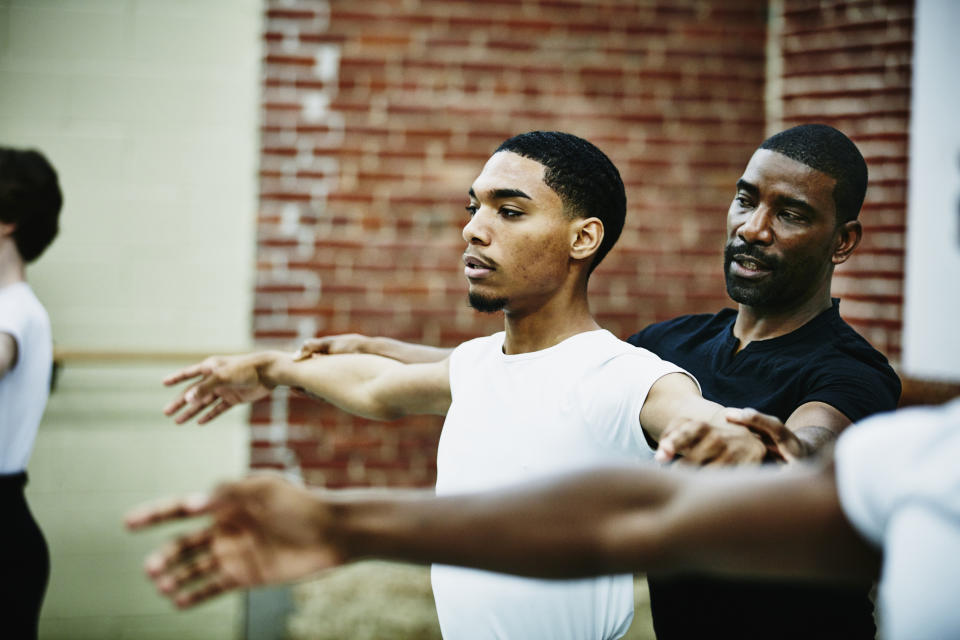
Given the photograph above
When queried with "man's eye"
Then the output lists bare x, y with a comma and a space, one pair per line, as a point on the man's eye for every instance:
471, 209
510, 213
791, 216
743, 201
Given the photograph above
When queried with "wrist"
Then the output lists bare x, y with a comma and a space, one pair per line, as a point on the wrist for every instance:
269, 366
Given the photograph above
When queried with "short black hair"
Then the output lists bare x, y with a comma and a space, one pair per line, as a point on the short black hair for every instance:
587, 182
30, 199
827, 150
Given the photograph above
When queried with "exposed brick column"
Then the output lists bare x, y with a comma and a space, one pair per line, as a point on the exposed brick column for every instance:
848, 64
377, 117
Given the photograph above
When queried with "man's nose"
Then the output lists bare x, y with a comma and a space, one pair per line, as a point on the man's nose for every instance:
756, 228
477, 230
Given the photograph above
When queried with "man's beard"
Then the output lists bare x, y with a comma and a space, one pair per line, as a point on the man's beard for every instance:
486, 305
778, 289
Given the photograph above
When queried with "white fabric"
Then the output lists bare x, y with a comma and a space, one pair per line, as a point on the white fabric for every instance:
24, 389
898, 477
517, 417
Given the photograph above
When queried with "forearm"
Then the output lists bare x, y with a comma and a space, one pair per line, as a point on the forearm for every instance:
561, 528
406, 352
346, 381
753, 523
815, 439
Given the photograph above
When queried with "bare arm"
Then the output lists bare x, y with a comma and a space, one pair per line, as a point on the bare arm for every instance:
8, 353
757, 522
369, 386
684, 424
810, 428
406, 352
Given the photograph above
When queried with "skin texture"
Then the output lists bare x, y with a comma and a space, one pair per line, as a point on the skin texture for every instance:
762, 522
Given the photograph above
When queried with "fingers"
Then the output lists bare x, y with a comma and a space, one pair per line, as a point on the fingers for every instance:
187, 570
185, 374
678, 439
168, 510
781, 442
310, 347
760, 422
195, 399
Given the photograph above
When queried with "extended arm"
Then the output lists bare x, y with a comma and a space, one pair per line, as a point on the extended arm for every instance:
406, 352
754, 522
8, 353
369, 386
685, 425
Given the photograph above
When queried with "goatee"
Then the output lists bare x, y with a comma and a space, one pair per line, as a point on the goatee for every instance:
486, 305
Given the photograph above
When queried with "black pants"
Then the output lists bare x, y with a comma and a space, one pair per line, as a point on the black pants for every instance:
24, 561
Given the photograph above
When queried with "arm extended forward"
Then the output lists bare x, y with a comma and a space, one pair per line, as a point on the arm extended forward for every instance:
365, 385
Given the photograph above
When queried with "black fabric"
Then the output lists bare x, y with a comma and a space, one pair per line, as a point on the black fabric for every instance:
24, 559
825, 361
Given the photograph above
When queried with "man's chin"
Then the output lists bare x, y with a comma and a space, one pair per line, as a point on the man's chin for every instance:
486, 304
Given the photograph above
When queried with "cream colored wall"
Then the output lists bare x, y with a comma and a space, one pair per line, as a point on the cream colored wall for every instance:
149, 111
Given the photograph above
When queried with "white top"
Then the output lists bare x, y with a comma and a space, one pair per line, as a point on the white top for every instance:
518, 417
24, 389
898, 477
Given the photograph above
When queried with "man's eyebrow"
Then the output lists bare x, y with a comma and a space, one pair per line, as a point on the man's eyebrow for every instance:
501, 194
783, 201
796, 203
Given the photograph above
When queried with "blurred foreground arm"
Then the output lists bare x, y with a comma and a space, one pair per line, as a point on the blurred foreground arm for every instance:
406, 352
754, 522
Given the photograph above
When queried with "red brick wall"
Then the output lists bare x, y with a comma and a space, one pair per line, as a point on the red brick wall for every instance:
377, 116
848, 64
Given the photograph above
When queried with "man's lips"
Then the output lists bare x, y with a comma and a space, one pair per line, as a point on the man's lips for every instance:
475, 267
748, 267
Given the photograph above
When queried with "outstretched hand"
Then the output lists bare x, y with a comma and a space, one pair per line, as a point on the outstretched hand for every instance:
781, 442
331, 345
264, 530
718, 442
224, 381
734, 437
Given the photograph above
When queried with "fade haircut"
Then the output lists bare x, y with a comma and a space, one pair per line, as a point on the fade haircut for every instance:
829, 151
30, 199
588, 184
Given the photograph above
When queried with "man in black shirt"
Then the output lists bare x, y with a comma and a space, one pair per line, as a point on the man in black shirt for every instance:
784, 351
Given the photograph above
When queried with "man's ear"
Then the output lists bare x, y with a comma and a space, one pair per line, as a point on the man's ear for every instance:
588, 235
848, 237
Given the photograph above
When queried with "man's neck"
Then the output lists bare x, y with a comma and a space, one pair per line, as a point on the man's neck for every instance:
548, 325
753, 324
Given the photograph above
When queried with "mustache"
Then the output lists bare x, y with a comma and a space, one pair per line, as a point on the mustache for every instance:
751, 251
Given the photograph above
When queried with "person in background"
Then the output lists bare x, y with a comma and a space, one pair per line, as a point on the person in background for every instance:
30, 202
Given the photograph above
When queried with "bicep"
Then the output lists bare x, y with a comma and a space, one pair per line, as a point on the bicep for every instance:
8, 353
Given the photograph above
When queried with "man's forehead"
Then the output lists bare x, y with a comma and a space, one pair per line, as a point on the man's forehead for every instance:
506, 171
773, 169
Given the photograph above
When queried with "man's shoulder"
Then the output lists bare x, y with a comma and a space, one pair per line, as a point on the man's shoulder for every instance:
702, 324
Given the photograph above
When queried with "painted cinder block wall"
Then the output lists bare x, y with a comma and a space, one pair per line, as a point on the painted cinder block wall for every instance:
378, 115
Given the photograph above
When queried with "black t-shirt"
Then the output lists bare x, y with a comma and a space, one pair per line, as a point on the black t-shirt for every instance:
825, 360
